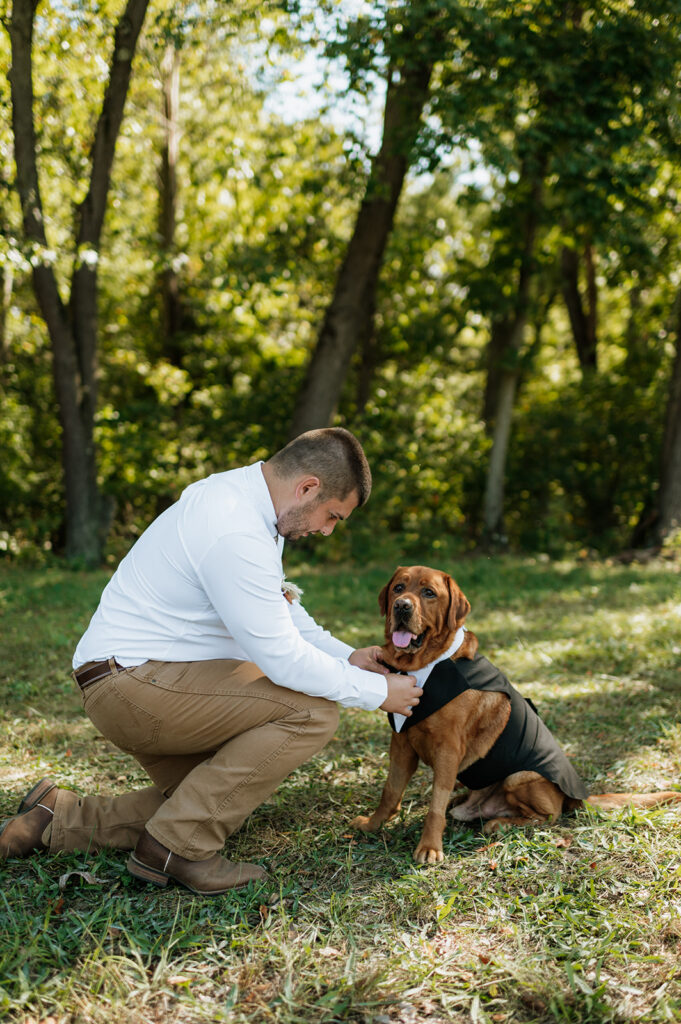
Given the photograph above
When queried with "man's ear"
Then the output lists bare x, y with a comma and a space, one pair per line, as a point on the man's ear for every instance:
383, 596
307, 487
459, 605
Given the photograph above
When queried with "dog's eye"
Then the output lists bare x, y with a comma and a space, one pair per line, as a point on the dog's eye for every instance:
398, 588
427, 592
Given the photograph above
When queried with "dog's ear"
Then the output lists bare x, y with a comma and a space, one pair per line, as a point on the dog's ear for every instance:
383, 596
459, 605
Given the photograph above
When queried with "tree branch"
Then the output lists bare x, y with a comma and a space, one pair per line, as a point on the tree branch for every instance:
92, 209
27, 181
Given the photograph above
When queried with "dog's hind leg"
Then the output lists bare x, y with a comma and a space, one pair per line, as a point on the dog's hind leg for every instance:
525, 798
467, 808
403, 764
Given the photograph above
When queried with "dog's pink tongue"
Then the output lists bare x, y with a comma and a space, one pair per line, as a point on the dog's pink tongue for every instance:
402, 638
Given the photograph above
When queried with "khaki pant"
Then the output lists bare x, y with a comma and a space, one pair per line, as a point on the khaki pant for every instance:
215, 737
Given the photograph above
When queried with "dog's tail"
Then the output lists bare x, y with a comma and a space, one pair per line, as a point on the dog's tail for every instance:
613, 801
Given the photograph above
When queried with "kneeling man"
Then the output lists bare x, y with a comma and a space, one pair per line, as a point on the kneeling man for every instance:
201, 664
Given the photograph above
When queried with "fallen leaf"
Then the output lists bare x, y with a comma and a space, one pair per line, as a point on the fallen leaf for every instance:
490, 846
179, 979
86, 875
563, 842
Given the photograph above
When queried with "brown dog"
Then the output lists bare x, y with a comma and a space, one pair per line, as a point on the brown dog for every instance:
470, 724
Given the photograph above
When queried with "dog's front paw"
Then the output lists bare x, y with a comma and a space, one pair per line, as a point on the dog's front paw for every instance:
363, 823
428, 854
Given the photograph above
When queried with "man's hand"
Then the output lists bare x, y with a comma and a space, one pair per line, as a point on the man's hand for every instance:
368, 658
403, 694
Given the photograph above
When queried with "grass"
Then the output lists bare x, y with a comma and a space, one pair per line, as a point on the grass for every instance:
579, 922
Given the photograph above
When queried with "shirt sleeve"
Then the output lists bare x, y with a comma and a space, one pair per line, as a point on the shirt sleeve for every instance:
241, 575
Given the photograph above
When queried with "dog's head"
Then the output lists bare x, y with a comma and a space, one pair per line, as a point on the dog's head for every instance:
423, 609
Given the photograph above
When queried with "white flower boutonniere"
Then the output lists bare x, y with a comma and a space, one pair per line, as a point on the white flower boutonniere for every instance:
291, 591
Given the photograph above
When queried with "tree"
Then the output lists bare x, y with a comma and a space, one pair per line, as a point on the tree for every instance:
168, 195
509, 335
72, 324
669, 503
546, 83
415, 37
582, 318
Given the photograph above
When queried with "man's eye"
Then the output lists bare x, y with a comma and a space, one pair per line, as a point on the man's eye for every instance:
427, 592
398, 588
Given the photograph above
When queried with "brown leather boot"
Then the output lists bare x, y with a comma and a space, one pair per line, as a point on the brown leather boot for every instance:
152, 862
36, 795
23, 833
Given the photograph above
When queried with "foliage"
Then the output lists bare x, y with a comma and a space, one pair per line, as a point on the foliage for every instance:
266, 202
579, 921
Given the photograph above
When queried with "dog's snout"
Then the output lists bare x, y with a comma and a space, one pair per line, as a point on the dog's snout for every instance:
403, 606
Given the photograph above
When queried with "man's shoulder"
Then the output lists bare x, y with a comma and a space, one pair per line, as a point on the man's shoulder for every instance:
226, 480
221, 505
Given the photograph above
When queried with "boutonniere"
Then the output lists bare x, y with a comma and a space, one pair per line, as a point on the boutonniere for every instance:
291, 591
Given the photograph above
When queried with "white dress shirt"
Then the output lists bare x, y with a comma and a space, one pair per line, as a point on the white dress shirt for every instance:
204, 581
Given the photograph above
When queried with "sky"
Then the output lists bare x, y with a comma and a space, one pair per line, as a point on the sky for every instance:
314, 84
314, 81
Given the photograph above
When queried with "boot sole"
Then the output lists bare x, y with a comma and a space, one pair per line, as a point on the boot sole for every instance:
157, 877
35, 795
146, 873
3, 825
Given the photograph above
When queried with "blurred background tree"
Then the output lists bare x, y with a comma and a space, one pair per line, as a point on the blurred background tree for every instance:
452, 227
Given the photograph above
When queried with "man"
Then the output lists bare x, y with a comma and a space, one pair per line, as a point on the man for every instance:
199, 665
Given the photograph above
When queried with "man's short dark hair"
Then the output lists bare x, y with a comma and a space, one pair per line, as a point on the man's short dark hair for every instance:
334, 455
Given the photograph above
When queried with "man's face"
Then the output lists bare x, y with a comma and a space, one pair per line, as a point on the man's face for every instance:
315, 516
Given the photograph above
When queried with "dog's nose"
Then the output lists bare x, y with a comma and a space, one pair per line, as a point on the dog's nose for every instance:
403, 606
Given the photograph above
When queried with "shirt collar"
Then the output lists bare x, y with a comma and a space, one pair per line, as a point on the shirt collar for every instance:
263, 498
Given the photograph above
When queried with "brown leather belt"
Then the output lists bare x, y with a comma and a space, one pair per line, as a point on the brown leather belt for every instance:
92, 671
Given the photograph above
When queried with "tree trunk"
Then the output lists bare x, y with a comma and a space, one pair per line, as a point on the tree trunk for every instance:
72, 326
669, 520
369, 352
169, 281
6, 285
504, 361
493, 503
582, 322
497, 348
349, 317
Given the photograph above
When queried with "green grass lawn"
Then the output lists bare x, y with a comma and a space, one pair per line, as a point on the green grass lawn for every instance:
578, 922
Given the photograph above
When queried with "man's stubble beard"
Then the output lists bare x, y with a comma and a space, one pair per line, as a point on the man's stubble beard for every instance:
293, 524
